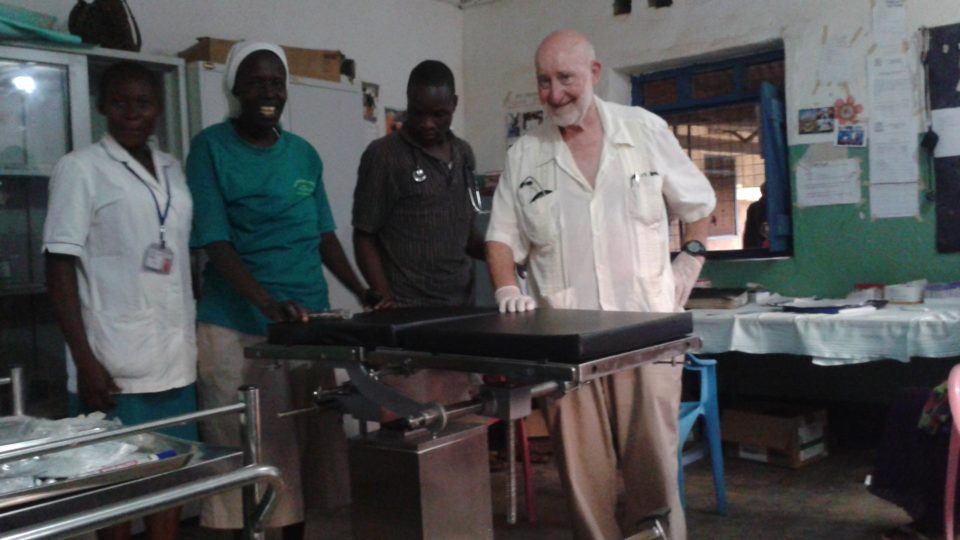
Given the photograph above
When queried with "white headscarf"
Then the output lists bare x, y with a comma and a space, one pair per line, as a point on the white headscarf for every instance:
235, 57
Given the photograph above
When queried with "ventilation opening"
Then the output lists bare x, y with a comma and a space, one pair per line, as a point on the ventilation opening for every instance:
622, 7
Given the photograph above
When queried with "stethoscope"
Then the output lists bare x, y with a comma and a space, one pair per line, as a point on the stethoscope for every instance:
419, 176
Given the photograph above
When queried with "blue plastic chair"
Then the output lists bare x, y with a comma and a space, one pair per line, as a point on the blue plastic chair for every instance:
706, 407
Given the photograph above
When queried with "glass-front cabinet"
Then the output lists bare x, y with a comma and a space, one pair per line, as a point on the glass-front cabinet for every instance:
47, 109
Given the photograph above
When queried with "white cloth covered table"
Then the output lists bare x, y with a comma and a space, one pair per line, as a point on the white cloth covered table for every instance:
931, 329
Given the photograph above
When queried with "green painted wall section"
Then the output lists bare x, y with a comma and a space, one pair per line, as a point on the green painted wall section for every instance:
838, 246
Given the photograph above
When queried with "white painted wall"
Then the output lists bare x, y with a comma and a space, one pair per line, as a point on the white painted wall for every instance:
387, 38
500, 39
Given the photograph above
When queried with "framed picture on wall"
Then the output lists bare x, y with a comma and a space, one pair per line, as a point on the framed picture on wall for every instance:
394, 119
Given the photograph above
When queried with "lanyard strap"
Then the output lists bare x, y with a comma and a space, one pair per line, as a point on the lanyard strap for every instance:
161, 216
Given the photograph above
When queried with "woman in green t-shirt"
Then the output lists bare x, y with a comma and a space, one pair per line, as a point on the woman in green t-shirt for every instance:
262, 217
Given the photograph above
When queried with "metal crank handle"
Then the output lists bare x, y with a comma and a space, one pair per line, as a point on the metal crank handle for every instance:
297, 412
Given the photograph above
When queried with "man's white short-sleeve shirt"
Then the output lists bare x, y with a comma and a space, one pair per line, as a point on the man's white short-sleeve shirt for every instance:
605, 247
140, 324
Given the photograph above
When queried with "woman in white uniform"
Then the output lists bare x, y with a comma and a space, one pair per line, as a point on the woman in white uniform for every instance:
118, 274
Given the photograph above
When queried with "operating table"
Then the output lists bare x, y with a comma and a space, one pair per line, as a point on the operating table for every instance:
424, 474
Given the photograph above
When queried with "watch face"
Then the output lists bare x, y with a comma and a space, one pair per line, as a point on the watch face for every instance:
695, 247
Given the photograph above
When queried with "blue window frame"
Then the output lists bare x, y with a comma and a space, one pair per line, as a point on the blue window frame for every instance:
729, 116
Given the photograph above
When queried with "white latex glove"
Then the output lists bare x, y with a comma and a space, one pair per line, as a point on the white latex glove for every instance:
686, 270
511, 300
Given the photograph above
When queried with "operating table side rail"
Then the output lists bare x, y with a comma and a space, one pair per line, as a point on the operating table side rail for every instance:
521, 370
664, 352
541, 370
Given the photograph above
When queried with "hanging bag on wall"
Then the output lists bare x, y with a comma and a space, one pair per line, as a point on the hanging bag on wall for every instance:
108, 23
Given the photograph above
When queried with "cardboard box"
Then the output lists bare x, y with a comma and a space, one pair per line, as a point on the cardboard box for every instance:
537, 425
310, 63
777, 434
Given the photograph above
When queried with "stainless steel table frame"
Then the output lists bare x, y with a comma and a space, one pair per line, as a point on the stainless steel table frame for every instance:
402, 464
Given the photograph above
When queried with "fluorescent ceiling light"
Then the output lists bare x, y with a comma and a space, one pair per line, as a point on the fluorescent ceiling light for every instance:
25, 83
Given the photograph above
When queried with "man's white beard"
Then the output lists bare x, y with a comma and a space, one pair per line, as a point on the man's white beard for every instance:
572, 113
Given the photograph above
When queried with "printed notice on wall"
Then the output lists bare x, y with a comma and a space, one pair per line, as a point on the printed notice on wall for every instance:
836, 62
823, 183
891, 86
889, 23
894, 200
893, 151
524, 114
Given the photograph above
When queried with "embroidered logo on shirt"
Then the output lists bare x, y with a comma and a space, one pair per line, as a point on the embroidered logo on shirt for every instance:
304, 187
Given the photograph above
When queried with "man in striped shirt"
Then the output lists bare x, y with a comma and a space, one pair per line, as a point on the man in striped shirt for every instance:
413, 231
412, 218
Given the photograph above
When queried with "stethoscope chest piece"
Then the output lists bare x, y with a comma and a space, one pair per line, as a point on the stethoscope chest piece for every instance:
419, 175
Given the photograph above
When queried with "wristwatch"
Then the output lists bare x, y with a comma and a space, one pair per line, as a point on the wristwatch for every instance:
695, 247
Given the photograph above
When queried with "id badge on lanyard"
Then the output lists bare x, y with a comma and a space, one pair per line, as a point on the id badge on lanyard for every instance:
158, 257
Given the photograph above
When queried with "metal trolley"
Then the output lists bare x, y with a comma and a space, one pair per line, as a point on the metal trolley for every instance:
91, 502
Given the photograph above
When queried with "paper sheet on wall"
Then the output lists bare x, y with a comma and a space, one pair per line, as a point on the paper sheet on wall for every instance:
946, 122
524, 114
893, 151
836, 61
889, 23
894, 200
823, 183
891, 86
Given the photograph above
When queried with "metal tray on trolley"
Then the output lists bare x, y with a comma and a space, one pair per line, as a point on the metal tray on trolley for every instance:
149, 443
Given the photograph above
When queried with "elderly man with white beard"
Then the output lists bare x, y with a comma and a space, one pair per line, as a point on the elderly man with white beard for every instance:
584, 203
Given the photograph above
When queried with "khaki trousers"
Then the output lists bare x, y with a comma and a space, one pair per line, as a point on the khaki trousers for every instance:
631, 418
310, 450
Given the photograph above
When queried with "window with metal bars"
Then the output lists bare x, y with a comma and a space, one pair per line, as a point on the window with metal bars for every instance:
727, 116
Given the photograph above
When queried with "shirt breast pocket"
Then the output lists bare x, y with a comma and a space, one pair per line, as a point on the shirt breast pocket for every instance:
105, 238
541, 220
645, 200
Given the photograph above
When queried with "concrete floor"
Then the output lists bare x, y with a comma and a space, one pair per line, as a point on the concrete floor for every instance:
824, 500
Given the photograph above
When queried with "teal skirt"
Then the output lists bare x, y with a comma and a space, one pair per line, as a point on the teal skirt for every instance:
133, 409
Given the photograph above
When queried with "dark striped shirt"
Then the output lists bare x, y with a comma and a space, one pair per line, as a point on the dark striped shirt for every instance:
422, 228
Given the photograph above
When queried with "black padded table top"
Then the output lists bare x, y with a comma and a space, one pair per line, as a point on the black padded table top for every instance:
371, 329
558, 335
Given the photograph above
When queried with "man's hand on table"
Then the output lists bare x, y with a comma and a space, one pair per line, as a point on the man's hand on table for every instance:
511, 300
